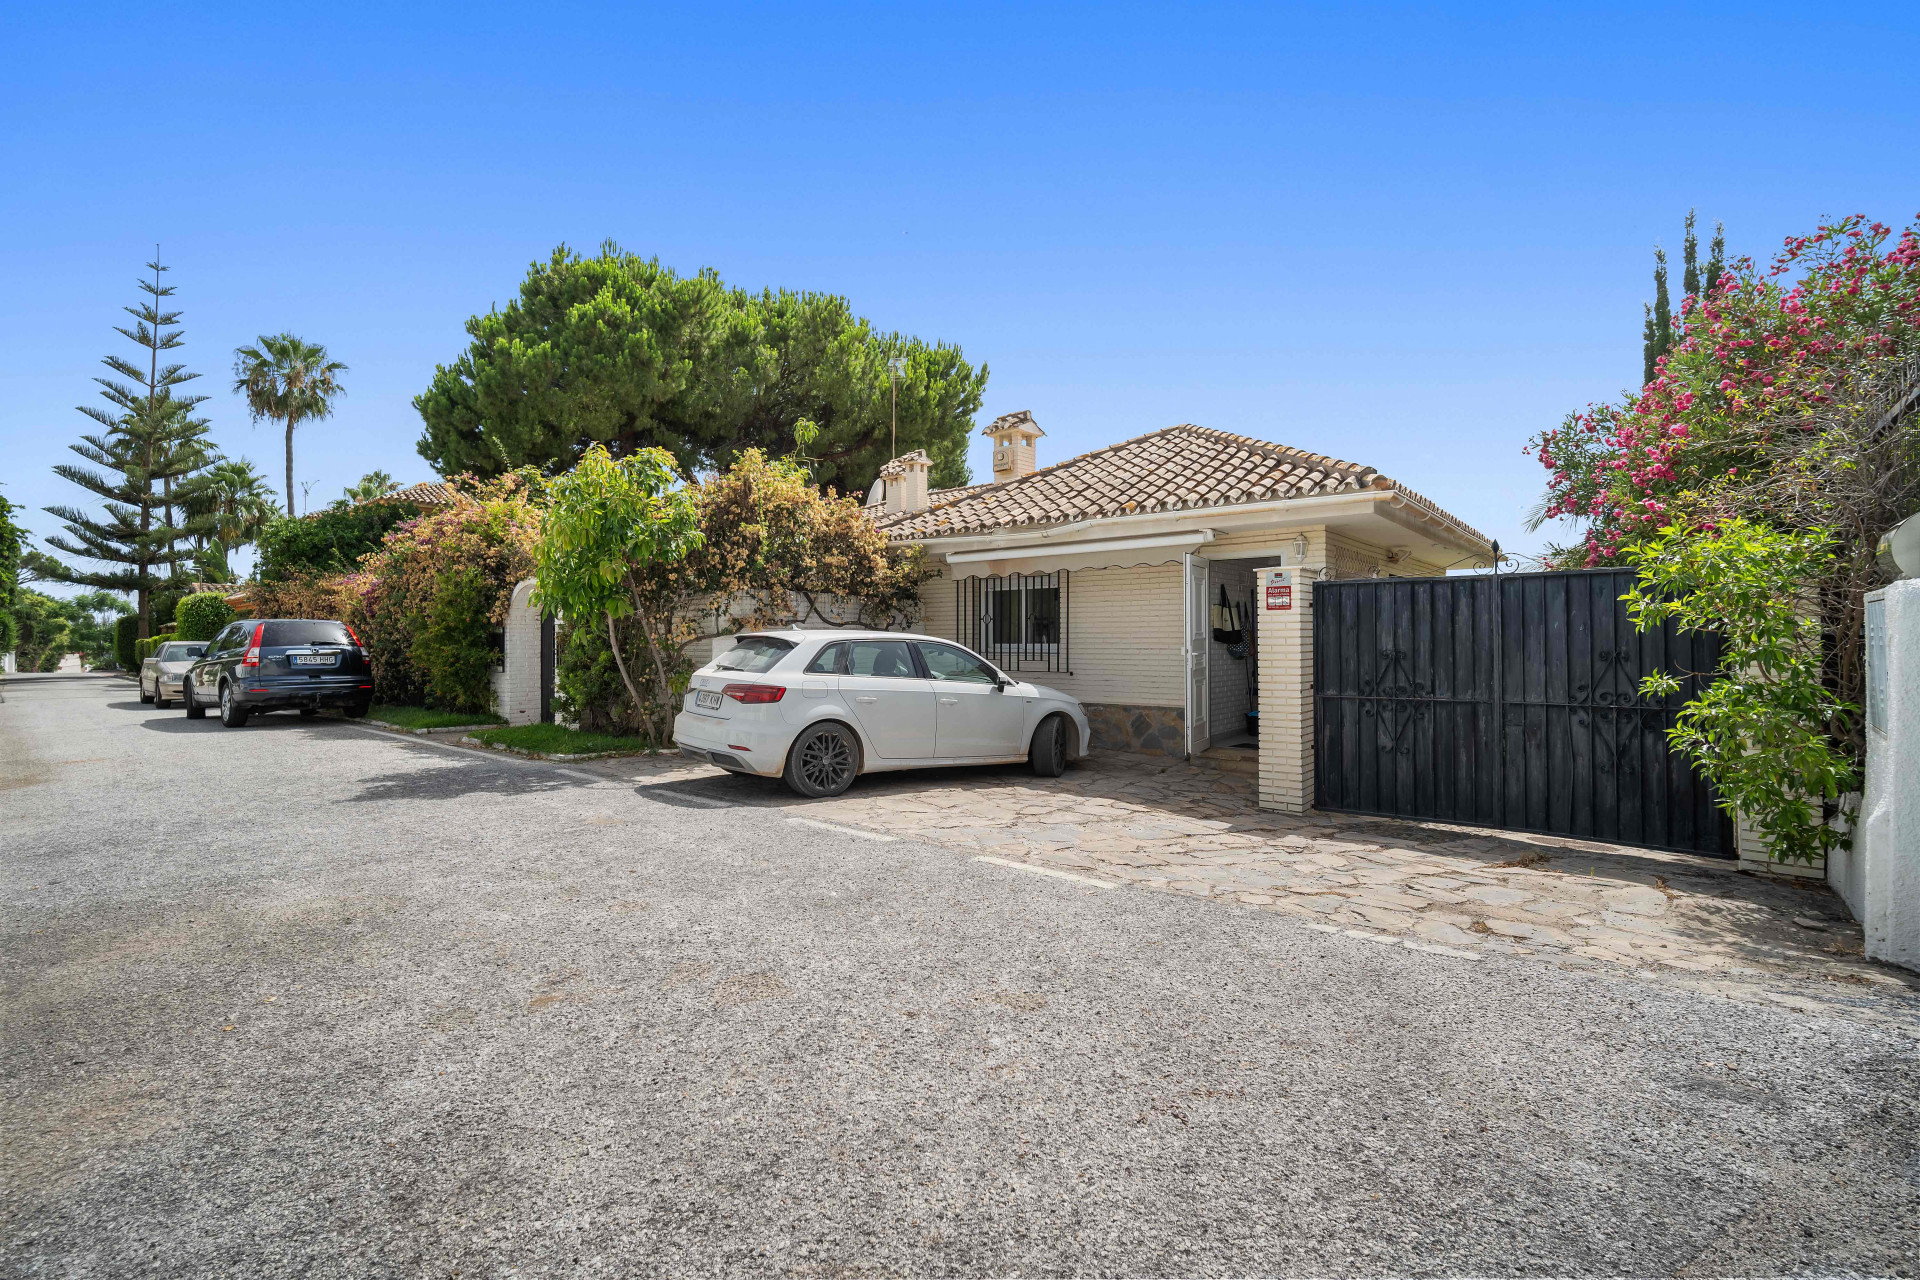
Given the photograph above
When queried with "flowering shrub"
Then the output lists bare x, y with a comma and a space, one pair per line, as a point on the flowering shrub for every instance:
430, 596
1785, 410
1760, 365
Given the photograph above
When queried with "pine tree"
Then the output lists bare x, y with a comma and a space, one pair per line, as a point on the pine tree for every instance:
152, 454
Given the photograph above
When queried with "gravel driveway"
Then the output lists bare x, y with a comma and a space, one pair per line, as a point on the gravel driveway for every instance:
307, 999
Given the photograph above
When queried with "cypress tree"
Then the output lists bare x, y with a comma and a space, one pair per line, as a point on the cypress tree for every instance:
1658, 337
1690, 253
151, 452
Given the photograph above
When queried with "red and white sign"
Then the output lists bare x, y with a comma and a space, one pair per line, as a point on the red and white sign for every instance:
1279, 595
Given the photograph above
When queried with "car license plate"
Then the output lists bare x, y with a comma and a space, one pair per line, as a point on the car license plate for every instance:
315, 659
706, 699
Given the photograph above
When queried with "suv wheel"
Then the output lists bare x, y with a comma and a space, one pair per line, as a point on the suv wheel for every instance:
194, 710
232, 715
1047, 756
823, 761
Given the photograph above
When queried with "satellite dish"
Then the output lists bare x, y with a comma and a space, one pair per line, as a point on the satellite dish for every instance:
1899, 549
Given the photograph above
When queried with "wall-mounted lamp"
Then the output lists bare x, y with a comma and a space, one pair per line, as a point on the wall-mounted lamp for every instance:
1299, 547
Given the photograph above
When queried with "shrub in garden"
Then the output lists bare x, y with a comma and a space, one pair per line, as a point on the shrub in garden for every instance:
326, 542
453, 653
655, 568
126, 633
201, 615
483, 548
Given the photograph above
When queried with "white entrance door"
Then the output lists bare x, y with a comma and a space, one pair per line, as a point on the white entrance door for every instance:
1198, 636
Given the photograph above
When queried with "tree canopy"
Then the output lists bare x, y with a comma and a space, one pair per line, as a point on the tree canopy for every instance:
620, 351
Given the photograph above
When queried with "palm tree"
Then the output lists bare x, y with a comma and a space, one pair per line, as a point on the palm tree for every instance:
374, 484
238, 499
289, 380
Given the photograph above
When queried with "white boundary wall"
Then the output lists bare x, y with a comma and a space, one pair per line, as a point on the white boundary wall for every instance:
1880, 876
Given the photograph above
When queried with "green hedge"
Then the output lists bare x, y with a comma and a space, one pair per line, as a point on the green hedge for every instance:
143, 649
126, 634
201, 615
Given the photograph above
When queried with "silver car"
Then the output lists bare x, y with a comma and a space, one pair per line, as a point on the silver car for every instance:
160, 673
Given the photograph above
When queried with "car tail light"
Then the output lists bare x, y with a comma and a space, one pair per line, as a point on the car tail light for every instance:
755, 693
250, 660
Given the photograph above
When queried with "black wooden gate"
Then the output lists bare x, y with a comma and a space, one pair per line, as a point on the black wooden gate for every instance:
1511, 702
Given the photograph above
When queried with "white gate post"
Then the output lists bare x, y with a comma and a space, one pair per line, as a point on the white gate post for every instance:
1284, 598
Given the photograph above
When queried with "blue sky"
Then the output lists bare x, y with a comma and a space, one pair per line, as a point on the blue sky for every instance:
1408, 238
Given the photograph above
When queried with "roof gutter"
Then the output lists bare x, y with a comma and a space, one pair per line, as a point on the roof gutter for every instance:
1166, 541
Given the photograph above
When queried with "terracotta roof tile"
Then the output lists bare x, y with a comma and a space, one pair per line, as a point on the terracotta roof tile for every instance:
430, 493
1183, 467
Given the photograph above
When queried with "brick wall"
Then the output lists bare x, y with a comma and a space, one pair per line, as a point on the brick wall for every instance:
1123, 635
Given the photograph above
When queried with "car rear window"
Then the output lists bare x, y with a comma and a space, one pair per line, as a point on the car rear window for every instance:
281, 635
180, 652
753, 654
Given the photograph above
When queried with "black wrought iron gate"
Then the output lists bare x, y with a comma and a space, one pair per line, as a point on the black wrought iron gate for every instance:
1511, 702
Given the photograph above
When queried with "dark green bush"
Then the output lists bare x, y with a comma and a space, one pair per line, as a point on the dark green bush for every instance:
587, 685
330, 541
454, 652
126, 633
200, 616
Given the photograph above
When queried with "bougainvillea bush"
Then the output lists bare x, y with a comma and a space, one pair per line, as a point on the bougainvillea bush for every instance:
430, 598
1786, 404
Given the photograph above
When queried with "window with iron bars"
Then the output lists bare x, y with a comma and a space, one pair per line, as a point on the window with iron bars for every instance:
1017, 621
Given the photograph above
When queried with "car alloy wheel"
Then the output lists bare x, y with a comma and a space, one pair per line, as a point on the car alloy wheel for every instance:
824, 762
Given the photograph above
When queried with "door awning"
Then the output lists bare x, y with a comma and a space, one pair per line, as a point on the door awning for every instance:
1106, 553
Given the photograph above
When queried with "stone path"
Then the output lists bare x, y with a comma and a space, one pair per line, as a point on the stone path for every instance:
1453, 891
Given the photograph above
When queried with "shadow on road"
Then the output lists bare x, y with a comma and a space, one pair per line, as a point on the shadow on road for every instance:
458, 778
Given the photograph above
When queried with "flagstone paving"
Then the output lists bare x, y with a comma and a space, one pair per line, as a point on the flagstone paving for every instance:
1453, 891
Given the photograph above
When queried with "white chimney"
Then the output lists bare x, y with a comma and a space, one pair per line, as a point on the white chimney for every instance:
904, 482
1013, 436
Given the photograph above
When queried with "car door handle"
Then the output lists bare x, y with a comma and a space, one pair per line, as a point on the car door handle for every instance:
949, 702
866, 697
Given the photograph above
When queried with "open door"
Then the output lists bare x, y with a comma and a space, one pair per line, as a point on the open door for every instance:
1199, 634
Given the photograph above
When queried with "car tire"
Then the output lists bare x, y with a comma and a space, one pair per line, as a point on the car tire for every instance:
1047, 756
823, 761
159, 699
355, 710
232, 714
194, 710
144, 695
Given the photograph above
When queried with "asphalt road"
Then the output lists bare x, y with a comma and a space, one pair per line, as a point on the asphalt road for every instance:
306, 999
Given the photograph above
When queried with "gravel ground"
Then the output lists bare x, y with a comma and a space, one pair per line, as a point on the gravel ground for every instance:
306, 999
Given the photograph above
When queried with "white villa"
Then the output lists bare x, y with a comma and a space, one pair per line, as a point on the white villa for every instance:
1127, 576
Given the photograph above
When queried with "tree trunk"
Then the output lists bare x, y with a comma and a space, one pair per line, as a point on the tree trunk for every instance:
290, 510
613, 642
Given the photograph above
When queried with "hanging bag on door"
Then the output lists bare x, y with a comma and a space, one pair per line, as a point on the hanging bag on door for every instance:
1226, 629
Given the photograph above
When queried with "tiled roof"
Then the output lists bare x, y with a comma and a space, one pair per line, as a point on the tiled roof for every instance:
430, 493
1179, 468
1022, 418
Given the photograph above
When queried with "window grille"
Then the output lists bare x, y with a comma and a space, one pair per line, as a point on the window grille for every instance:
1017, 621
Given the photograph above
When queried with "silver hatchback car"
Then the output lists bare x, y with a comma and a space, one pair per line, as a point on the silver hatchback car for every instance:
160, 673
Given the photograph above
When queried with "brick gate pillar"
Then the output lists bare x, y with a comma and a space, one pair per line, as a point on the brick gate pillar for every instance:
1284, 598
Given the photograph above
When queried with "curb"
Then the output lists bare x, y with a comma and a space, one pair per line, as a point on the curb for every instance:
561, 756
421, 733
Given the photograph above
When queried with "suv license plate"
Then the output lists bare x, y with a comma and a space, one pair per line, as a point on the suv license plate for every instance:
707, 699
315, 659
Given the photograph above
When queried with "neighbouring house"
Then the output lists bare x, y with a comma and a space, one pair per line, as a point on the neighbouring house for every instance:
1127, 576
427, 495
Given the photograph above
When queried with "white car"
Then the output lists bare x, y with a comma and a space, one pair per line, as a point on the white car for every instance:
819, 708
160, 674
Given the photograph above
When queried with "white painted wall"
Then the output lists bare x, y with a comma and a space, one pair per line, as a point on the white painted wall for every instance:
1880, 877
